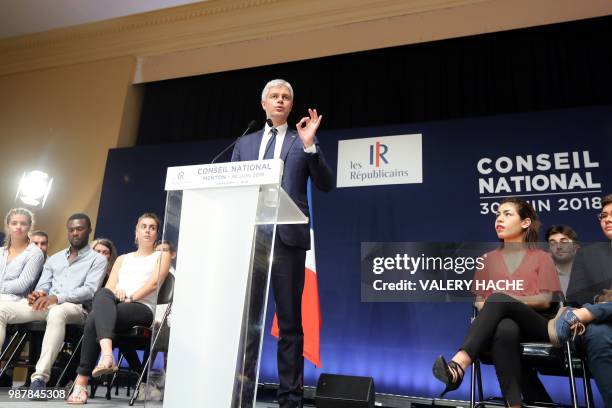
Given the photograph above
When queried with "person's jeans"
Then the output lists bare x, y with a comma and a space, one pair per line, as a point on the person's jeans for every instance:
597, 343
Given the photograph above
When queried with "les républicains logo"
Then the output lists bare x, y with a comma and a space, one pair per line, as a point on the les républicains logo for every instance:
380, 161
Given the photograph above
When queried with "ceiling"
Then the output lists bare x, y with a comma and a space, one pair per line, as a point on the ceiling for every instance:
19, 17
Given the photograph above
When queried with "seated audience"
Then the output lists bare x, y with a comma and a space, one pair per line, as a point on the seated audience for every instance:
563, 244
154, 392
164, 246
128, 299
591, 287
106, 248
507, 318
20, 260
41, 240
68, 282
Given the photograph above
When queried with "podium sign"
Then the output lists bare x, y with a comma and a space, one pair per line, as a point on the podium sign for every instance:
246, 173
222, 219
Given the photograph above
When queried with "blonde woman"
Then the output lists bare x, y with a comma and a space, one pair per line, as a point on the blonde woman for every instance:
21, 261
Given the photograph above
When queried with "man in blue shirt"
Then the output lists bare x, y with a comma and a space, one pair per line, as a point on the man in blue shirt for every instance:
65, 289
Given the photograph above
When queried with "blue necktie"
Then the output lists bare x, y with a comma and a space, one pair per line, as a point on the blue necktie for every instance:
269, 152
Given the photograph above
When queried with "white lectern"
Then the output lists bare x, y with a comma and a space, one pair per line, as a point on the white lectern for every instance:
222, 219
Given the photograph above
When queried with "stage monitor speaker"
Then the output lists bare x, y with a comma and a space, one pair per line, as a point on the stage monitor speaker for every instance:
344, 391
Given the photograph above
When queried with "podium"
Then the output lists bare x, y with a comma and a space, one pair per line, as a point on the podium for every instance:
222, 219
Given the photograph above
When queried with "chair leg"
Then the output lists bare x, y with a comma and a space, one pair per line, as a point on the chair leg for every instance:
65, 370
8, 346
568, 354
6, 351
109, 386
16, 351
148, 354
586, 381
473, 385
479, 382
480, 402
145, 367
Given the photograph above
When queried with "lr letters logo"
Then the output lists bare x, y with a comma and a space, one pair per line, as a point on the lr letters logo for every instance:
380, 160
377, 153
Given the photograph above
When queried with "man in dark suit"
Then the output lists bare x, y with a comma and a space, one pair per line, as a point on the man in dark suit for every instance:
591, 287
303, 158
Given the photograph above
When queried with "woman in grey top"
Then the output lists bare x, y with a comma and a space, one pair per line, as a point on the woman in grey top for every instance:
21, 261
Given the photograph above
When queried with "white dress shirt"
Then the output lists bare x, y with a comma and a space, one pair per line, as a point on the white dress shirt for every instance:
280, 138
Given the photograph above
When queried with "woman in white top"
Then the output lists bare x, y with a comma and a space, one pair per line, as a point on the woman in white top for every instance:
21, 261
128, 300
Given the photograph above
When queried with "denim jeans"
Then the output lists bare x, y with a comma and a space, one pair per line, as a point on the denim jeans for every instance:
597, 342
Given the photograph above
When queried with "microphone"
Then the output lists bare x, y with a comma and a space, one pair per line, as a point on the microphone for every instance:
252, 124
269, 122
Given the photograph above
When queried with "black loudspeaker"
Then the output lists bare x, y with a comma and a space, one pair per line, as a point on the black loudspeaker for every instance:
344, 391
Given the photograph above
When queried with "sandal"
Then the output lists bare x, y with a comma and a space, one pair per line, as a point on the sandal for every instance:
103, 369
451, 374
76, 397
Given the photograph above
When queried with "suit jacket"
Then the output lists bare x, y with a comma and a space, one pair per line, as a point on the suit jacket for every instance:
591, 273
298, 167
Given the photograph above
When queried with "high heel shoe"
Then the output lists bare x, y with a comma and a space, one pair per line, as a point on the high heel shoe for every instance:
444, 371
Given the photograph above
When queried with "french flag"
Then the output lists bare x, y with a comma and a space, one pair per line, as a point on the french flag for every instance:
311, 310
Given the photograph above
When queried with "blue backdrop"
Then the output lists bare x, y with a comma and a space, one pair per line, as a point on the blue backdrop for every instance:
395, 343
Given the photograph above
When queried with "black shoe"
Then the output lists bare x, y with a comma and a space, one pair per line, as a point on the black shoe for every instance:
38, 390
444, 372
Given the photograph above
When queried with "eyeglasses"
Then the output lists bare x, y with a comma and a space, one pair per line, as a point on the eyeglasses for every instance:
603, 215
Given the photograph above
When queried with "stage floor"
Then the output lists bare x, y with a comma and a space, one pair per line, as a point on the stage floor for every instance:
95, 402
99, 401
265, 396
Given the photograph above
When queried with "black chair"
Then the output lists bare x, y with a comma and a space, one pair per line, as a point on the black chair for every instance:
31, 332
547, 360
139, 338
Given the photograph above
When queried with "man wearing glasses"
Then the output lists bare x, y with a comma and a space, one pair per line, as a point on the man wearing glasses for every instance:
591, 287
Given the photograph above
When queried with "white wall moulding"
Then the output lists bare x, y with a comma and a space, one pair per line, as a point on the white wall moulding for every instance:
175, 42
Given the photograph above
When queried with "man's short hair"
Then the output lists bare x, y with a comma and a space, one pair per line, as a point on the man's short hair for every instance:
39, 233
562, 229
606, 200
272, 84
80, 216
